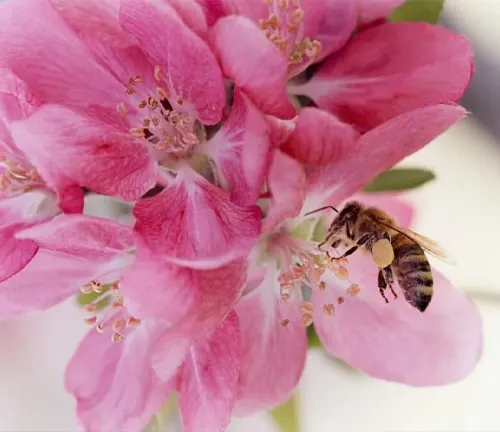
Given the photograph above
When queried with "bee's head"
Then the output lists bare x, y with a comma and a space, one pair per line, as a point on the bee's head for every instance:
350, 212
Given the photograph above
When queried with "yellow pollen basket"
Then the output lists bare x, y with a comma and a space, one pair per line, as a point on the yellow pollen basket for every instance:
383, 253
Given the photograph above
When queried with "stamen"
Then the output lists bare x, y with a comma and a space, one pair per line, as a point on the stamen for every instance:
329, 309
117, 338
353, 290
307, 319
285, 322
122, 109
137, 132
158, 73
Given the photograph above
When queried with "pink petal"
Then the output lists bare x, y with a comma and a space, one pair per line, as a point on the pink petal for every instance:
273, 355
396, 341
214, 9
71, 199
14, 254
373, 10
254, 64
215, 294
38, 286
42, 51
401, 209
189, 68
241, 150
192, 14
80, 235
31, 207
64, 144
280, 130
378, 150
16, 101
197, 225
319, 138
209, 379
391, 69
113, 383
337, 25
287, 184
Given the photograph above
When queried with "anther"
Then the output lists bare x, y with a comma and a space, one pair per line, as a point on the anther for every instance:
322, 286
100, 327
179, 100
315, 274
117, 304
285, 322
90, 321
340, 300
158, 73
353, 290
329, 309
86, 289
146, 122
306, 307
306, 319
137, 132
91, 307
117, 337
162, 93
342, 273
119, 324
96, 286
132, 321
143, 104
285, 297
130, 90
122, 109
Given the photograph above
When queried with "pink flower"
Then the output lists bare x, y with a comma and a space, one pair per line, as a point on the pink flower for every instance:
292, 285
159, 323
127, 104
381, 72
25, 197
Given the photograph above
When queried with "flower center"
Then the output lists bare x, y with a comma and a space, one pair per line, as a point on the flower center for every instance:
284, 27
17, 177
159, 123
107, 311
303, 266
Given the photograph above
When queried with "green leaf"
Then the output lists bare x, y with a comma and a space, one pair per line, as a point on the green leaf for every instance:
399, 179
418, 10
286, 416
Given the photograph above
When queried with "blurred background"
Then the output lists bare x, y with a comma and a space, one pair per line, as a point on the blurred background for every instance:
461, 209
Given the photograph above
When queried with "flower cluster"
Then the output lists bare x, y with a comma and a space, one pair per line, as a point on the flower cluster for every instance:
222, 123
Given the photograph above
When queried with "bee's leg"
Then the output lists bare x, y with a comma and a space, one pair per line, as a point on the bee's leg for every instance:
362, 241
382, 285
335, 245
390, 279
324, 242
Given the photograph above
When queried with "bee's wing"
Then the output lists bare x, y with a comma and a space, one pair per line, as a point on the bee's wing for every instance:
427, 244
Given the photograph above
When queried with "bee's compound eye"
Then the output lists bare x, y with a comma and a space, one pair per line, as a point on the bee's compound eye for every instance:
383, 254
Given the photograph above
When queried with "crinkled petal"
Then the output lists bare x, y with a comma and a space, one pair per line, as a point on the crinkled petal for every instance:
253, 63
379, 150
287, 185
189, 69
195, 224
15, 254
192, 14
216, 294
373, 10
319, 138
16, 100
42, 51
48, 279
81, 235
391, 69
395, 341
273, 354
64, 144
209, 379
241, 150
337, 25
113, 383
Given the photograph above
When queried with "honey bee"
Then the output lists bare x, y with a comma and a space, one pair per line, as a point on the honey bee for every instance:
395, 250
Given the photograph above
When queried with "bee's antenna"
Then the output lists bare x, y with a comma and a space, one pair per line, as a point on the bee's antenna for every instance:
322, 208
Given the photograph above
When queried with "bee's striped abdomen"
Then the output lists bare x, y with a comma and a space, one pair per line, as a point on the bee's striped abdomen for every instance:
413, 271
